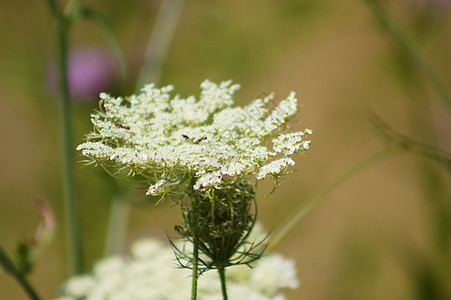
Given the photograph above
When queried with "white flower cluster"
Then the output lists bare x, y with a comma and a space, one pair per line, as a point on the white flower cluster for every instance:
151, 273
171, 140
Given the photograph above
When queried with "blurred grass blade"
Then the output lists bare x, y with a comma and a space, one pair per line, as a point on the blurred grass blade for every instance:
110, 34
302, 210
117, 224
160, 40
410, 49
409, 145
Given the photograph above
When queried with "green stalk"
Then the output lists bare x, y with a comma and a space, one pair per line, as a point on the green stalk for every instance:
73, 239
195, 270
416, 58
117, 227
308, 205
160, 41
222, 277
9, 267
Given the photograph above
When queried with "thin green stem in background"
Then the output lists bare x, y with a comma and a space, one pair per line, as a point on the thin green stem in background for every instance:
9, 267
73, 238
410, 49
406, 144
311, 202
222, 277
195, 270
159, 42
117, 226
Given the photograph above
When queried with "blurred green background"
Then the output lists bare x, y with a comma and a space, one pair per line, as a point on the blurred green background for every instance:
377, 236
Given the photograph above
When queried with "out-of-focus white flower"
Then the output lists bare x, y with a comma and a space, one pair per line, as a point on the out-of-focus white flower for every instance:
80, 285
274, 272
108, 265
151, 273
173, 141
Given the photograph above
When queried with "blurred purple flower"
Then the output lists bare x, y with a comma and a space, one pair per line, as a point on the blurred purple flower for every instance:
90, 71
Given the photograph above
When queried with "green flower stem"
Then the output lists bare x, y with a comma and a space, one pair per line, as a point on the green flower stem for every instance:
69, 201
9, 267
308, 205
222, 277
403, 41
195, 270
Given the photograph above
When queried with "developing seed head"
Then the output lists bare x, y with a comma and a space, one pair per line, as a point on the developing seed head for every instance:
219, 222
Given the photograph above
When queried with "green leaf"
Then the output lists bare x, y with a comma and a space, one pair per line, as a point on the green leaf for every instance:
23, 256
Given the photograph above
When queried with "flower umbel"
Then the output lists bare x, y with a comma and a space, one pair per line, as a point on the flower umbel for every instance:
150, 273
174, 143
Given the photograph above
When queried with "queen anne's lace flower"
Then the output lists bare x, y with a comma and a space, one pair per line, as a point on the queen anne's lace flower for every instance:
173, 141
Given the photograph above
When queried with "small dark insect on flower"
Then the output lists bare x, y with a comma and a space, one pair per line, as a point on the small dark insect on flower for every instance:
196, 141
119, 125
200, 140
